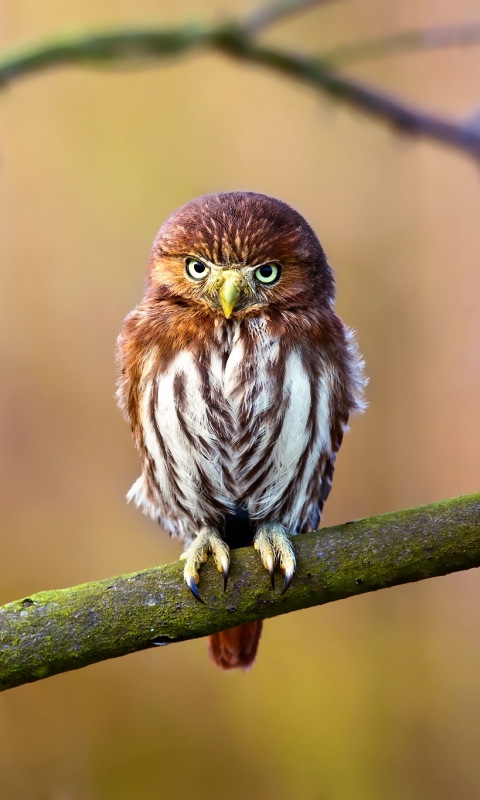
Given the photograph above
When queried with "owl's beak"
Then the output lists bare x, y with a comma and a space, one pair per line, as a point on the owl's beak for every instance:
230, 290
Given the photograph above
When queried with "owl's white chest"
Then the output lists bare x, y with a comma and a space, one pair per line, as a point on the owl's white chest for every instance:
233, 428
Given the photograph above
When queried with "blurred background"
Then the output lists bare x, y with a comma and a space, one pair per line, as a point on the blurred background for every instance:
370, 698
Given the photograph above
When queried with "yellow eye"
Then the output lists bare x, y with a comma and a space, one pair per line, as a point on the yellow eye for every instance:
196, 269
268, 273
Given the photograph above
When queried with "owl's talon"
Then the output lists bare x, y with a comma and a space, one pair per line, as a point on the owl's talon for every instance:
288, 580
272, 577
190, 581
222, 560
206, 542
275, 547
268, 558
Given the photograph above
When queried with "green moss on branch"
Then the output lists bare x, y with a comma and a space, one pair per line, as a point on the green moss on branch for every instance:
56, 631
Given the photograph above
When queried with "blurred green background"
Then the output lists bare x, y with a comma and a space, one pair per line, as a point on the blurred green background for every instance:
371, 698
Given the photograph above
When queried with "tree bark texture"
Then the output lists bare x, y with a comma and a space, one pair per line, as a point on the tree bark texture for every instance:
59, 630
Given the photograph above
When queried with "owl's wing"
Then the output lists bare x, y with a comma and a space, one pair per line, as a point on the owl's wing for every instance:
348, 386
129, 360
325, 474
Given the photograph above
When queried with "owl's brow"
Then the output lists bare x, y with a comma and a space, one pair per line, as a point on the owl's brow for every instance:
233, 264
228, 265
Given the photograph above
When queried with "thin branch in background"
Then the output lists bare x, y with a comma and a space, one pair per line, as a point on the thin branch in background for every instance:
434, 38
266, 16
94, 49
56, 631
151, 44
365, 98
471, 121
237, 40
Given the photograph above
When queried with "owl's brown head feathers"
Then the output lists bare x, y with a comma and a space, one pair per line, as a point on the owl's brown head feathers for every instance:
236, 253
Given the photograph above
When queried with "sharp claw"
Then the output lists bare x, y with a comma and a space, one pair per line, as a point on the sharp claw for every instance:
269, 563
272, 576
224, 565
189, 580
273, 543
208, 541
288, 581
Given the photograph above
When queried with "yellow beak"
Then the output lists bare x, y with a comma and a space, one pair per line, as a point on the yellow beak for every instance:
230, 290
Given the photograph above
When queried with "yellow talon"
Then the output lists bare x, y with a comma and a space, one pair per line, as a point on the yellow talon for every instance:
206, 542
275, 547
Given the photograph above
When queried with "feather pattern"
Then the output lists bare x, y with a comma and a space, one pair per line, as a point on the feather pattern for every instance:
250, 419
238, 418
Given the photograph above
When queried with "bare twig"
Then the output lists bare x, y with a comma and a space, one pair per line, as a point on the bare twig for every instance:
433, 38
109, 48
371, 101
471, 121
57, 631
268, 15
235, 39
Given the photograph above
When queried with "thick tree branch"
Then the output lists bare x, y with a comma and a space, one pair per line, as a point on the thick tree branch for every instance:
56, 631
235, 40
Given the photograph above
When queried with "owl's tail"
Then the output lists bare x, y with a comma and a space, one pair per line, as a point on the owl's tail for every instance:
236, 647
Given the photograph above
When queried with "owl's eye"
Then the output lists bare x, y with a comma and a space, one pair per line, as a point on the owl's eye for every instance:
268, 273
196, 269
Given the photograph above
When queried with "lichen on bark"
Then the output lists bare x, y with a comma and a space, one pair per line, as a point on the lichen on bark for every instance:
59, 630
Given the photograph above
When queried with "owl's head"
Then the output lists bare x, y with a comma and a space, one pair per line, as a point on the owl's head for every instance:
238, 252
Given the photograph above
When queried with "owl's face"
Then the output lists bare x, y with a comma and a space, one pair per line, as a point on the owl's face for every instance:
223, 288
238, 253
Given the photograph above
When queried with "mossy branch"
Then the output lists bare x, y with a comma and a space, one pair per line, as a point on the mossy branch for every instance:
56, 631
239, 40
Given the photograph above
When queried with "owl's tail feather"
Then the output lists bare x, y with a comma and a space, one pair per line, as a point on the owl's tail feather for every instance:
236, 647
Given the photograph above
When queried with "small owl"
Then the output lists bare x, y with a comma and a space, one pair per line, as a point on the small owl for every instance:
238, 380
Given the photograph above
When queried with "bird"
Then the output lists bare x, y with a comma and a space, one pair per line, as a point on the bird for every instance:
238, 380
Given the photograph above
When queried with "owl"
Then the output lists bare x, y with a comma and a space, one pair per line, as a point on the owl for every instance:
238, 380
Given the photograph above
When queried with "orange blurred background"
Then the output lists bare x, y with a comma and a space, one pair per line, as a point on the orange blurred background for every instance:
371, 698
